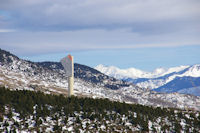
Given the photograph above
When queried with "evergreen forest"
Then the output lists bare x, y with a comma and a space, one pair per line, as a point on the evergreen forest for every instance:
23, 110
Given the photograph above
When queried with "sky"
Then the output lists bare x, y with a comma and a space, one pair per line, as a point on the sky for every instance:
144, 34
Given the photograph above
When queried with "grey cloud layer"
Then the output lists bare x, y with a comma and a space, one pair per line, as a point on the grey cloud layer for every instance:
48, 25
30, 43
75, 14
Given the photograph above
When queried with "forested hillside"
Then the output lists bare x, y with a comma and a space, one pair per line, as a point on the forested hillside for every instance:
35, 111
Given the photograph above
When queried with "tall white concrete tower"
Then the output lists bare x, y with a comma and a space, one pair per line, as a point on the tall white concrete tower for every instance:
68, 64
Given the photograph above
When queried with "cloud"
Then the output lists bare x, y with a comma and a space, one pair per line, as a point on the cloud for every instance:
7, 30
43, 26
67, 15
30, 43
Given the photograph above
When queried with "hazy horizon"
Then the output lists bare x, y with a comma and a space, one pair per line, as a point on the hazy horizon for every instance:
171, 58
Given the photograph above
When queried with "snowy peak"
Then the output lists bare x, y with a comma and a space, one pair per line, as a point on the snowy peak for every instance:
121, 73
136, 73
193, 71
159, 71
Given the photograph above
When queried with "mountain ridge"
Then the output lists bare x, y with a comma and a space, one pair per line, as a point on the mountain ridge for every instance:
156, 80
7, 58
137, 73
50, 78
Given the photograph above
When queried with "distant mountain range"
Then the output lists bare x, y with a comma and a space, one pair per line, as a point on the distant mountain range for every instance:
182, 79
49, 77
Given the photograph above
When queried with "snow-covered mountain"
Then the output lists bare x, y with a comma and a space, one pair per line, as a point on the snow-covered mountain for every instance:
49, 77
162, 80
136, 73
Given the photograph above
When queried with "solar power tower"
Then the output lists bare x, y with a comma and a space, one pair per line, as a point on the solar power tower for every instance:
68, 64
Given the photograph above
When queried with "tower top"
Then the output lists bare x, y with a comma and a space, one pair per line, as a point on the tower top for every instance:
67, 63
